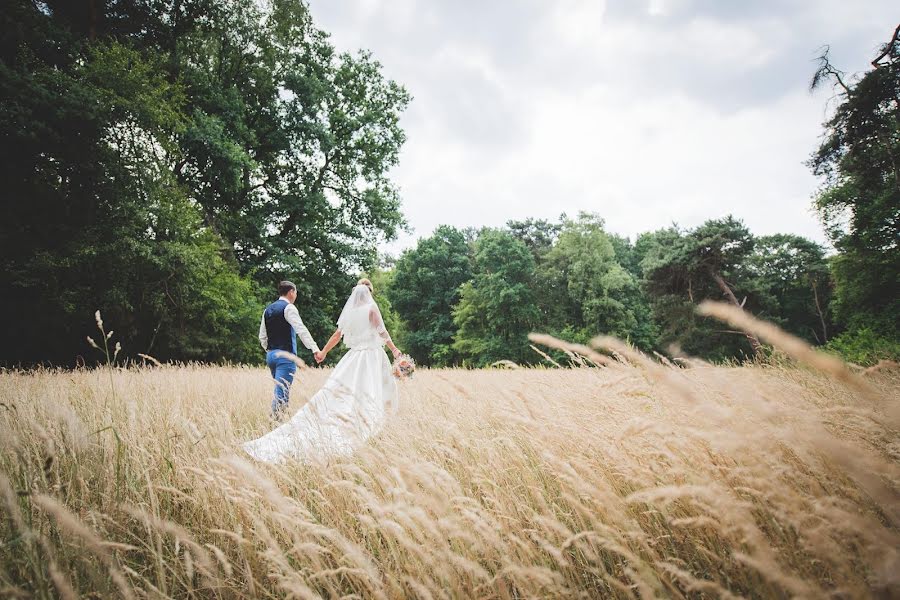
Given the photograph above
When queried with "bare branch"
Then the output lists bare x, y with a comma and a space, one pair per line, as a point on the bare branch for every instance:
827, 71
888, 49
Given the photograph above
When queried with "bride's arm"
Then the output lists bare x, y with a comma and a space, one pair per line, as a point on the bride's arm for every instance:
394, 349
332, 342
378, 324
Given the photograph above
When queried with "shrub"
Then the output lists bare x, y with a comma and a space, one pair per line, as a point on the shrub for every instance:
864, 346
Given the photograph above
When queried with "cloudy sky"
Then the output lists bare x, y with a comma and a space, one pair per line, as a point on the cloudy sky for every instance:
647, 112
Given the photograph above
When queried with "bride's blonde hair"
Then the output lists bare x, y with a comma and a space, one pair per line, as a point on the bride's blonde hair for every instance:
364, 281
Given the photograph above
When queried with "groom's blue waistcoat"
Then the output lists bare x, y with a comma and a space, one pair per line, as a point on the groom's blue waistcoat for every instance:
279, 331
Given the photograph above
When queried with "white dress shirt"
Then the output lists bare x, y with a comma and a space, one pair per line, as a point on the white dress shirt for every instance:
292, 316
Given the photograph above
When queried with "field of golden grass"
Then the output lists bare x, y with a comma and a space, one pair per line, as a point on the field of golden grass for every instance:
633, 480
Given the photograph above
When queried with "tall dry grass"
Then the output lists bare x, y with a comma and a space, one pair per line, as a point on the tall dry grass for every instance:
631, 480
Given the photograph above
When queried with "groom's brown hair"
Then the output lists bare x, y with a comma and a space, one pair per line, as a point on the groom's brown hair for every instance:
285, 286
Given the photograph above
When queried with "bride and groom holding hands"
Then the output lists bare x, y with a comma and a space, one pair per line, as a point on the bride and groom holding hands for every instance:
357, 397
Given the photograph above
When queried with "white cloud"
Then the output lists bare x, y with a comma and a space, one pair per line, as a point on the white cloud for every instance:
640, 165
699, 43
576, 21
675, 112
656, 8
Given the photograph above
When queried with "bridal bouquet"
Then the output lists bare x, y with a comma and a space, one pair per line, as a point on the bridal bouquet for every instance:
404, 366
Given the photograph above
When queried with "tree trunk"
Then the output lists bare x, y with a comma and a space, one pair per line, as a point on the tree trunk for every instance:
754, 341
92, 19
819, 311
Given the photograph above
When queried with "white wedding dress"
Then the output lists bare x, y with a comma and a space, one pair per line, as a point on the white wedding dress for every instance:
354, 402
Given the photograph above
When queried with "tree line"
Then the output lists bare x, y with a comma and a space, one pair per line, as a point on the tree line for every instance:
469, 297
466, 297
168, 162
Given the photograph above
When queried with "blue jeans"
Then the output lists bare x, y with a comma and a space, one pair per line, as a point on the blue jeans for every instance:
283, 370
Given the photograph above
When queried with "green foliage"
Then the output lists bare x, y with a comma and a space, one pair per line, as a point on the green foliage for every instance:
791, 278
780, 278
627, 254
859, 203
425, 288
538, 234
574, 280
867, 291
203, 309
681, 269
864, 346
498, 307
586, 288
165, 163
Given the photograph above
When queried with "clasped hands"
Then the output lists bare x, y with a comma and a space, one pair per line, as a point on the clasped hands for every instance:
320, 355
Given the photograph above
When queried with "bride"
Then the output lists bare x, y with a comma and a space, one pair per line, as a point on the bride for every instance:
356, 398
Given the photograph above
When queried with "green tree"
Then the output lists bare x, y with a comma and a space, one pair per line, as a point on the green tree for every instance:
153, 152
289, 144
93, 217
586, 291
859, 202
794, 283
425, 288
682, 269
627, 254
538, 234
497, 308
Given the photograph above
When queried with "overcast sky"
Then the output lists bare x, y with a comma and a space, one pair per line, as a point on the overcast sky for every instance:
647, 112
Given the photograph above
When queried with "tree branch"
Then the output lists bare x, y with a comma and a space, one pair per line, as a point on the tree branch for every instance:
888, 48
316, 186
825, 70
754, 341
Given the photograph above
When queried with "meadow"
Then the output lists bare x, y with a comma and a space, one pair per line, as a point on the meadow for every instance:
638, 479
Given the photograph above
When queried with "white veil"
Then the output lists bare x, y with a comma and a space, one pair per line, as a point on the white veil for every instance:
361, 315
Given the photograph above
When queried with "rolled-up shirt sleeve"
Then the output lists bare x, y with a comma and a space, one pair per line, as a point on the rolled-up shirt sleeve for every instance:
293, 317
263, 334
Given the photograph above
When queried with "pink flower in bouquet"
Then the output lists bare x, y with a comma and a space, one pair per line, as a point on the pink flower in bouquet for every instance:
404, 366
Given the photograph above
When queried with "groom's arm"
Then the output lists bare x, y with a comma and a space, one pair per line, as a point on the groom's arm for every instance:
263, 334
293, 317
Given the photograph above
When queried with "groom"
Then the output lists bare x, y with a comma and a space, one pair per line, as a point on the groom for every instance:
280, 323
